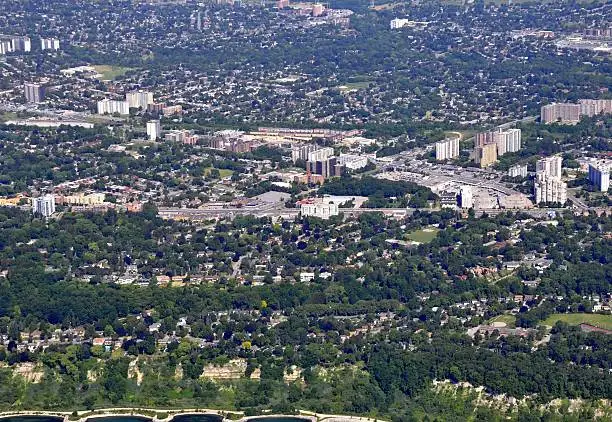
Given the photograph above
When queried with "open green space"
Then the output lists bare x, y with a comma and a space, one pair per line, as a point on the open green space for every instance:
222, 172
353, 86
509, 320
598, 320
423, 235
109, 72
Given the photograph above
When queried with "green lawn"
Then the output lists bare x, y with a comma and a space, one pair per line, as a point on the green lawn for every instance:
510, 320
424, 235
352, 86
598, 320
109, 72
222, 172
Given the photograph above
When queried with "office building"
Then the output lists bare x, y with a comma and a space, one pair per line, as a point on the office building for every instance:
49, 44
34, 93
466, 197
592, 108
550, 166
549, 189
560, 112
319, 209
485, 155
21, 44
519, 170
447, 149
139, 99
599, 175
153, 129
44, 205
302, 152
107, 106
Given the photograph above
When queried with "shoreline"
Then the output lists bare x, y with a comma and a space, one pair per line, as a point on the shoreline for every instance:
151, 415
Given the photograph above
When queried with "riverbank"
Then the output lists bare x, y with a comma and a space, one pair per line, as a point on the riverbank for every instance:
167, 415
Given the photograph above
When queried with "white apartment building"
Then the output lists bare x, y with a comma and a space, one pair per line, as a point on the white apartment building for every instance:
301, 152
321, 154
398, 23
519, 170
107, 106
447, 149
319, 209
43, 205
21, 44
549, 189
139, 99
153, 130
49, 44
599, 175
352, 161
551, 166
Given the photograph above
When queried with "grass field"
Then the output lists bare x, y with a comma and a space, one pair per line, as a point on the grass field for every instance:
222, 172
510, 320
110, 72
423, 236
353, 86
598, 320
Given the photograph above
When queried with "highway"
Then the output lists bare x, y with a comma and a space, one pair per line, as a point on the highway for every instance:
273, 210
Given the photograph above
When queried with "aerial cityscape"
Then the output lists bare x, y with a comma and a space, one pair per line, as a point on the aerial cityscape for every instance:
358, 210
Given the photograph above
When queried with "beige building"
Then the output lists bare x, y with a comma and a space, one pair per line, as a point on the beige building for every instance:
560, 112
486, 155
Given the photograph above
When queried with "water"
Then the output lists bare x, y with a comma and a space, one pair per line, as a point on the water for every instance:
197, 418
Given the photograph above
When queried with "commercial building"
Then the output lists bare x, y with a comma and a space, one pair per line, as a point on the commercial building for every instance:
485, 155
21, 44
599, 175
319, 209
43, 205
595, 107
550, 166
560, 112
549, 189
107, 106
466, 197
49, 44
153, 129
447, 149
139, 99
519, 170
34, 93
